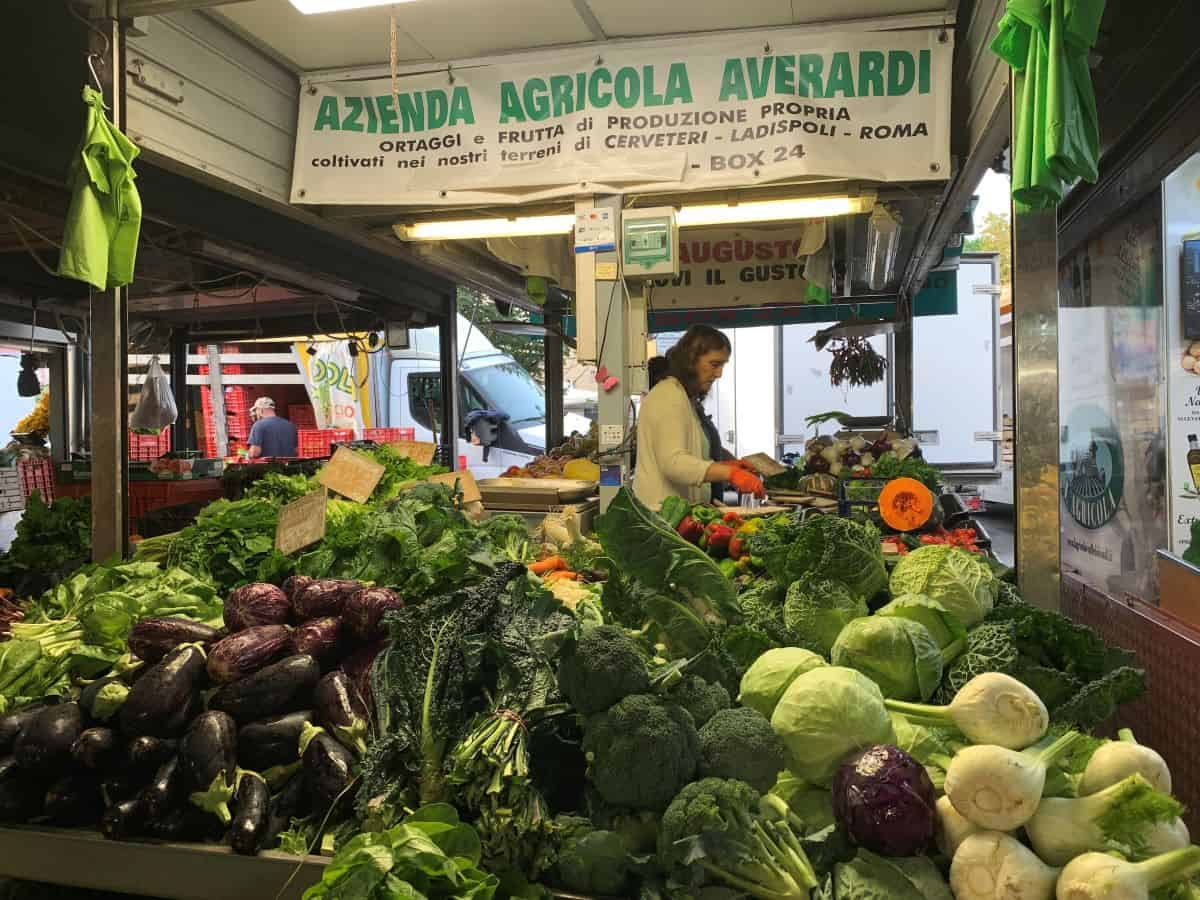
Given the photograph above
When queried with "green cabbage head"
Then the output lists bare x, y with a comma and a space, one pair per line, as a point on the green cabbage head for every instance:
826, 714
898, 654
817, 609
945, 627
832, 547
961, 581
771, 674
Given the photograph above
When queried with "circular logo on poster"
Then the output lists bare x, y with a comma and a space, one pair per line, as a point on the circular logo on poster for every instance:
1093, 467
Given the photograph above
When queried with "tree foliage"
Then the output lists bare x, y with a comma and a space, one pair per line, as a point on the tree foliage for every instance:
994, 235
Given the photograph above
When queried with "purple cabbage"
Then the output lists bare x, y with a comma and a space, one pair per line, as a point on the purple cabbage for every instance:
256, 604
884, 801
364, 611
247, 651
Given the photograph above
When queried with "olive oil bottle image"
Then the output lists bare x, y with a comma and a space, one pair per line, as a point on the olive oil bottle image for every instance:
1193, 460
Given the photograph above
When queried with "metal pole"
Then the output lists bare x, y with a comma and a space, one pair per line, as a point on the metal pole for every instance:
1035, 378
216, 390
448, 345
612, 351
552, 346
59, 364
901, 374
109, 363
181, 432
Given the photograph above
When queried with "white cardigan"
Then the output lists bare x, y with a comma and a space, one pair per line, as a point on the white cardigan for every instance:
673, 455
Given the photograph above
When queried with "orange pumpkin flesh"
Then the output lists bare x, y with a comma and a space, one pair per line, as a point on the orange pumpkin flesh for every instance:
905, 504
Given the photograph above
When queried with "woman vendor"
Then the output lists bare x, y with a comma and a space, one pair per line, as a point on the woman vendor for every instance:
675, 456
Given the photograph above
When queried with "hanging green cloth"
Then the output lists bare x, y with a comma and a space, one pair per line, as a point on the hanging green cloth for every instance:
1057, 139
105, 217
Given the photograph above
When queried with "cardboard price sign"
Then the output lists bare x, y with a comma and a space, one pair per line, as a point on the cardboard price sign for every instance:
301, 523
351, 474
764, 465
466, 481
420, 452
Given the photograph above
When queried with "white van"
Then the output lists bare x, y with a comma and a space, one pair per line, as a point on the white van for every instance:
488, 379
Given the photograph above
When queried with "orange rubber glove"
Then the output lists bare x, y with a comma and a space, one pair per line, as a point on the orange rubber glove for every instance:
745, 482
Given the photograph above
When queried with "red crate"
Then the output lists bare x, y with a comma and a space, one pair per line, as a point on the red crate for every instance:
389, 435
37, 475
315, 443
147, 447
302, 416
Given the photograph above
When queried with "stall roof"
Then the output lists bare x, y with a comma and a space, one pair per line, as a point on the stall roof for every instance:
462, 29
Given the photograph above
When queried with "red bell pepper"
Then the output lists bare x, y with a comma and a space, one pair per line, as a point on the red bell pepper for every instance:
738, 546
716, 538
690, 529
732, 519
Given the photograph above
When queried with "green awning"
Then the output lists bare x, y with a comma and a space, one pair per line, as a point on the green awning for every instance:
1057, 135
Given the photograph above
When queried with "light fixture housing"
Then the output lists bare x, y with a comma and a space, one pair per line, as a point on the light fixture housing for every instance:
883, 241
467, 229
817, 207
315, 7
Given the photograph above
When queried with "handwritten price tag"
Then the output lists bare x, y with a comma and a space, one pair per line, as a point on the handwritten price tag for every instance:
301, 523
466, 481
420, 452
353, 475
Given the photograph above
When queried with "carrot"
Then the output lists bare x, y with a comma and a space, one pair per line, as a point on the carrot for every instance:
561, 575
549, 564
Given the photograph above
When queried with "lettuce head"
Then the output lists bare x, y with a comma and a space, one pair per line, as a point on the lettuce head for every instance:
960, 581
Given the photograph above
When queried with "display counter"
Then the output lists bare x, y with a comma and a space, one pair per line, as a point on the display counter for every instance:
82, 858
1179, 588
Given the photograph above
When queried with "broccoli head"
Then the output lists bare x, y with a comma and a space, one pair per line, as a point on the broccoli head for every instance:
590, 860
699, 697
740, 743
713, 832
642, 751
603, 666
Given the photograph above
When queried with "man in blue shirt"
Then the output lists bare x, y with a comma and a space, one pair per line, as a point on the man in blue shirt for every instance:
270, 435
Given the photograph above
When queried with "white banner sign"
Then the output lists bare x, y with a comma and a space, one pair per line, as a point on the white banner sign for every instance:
722, 111
330, 374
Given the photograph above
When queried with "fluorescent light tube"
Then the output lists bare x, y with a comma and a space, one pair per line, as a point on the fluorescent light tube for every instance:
466, 229
773, 210
311, 7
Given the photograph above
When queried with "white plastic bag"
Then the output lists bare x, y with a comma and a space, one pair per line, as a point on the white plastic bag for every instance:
155, 408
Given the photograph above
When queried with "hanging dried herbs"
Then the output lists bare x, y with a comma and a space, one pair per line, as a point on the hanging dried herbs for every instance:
855, 362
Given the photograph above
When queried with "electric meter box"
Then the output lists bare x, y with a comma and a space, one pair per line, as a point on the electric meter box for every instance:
649, 242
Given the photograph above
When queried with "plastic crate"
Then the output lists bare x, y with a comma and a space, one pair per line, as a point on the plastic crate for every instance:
149, 446
11, 496
302, 416
318, 442
37, 475
389, 435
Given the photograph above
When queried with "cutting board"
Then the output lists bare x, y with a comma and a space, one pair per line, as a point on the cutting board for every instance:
535, 493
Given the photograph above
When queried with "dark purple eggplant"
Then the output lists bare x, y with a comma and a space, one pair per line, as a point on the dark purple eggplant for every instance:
74, 800
322, 598
283, 687
247, 651
357, 667
160, 703
364, 611
120, 786
256, 604
21, 793
184, 823
208, 756
44, 746
328, 769
13, 724
340, 711
145, 754
291, 801
272, 742
124, 820
153, 638
295, 584
319, 638
252, 813
164, 790
96, 748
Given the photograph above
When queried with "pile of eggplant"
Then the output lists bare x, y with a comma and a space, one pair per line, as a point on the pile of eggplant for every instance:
219, 734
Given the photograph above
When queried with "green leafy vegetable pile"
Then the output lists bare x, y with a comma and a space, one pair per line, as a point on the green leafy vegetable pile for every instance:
51, 542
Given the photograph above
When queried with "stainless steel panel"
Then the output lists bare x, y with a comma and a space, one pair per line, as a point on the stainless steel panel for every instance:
1035, 340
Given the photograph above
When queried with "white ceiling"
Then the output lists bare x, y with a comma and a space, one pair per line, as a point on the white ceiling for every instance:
461, 29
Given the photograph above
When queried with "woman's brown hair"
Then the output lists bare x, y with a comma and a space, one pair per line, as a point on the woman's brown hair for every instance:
683, 357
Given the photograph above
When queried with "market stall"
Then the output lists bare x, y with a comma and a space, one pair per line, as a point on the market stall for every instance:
347, 664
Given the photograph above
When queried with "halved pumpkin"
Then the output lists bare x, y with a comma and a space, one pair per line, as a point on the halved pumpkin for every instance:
905, 504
